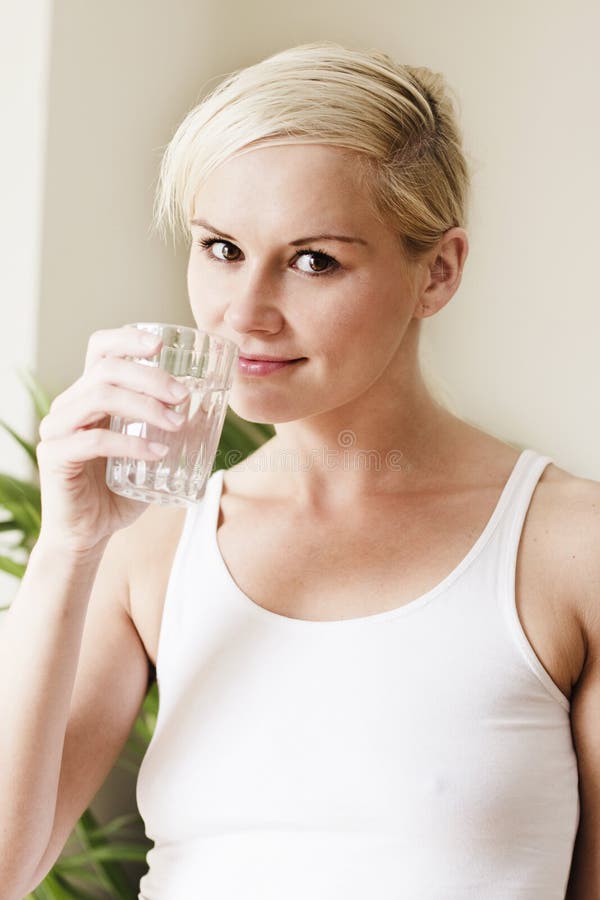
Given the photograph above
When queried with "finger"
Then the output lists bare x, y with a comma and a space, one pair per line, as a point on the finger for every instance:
102, 400
135, 376
66, 454
124, 341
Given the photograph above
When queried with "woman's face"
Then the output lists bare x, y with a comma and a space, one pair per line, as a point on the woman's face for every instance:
265, 270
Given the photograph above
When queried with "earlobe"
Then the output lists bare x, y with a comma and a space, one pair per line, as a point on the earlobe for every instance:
423, 310
437, 274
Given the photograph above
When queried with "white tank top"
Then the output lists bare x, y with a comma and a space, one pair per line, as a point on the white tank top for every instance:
423, 753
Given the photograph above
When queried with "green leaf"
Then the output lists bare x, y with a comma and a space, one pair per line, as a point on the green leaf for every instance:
251, 434
55, 887
42, 892
117, 824
238, 441
59, 888
109, 873
110, 852
23, 542
41, 400
128, 765
15, 489
259, 431
23, 501
26, 445
13, 568
9, 525
144, 726
84, 877
150, 705
145, 723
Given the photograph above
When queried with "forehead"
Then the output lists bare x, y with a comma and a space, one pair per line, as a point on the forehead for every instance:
313, 180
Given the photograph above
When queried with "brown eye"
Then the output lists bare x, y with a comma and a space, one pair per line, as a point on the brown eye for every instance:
319, 263
229, 251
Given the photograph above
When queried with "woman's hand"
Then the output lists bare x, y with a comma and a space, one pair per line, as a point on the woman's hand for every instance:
79, 511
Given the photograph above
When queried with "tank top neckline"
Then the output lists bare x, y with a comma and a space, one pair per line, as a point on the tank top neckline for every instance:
405, 609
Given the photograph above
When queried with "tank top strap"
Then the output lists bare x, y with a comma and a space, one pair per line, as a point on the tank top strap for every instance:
527, 475
516, 500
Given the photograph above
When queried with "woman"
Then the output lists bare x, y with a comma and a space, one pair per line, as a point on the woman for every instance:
361, 693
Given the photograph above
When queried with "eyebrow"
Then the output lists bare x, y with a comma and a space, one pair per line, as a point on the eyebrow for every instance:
315, 237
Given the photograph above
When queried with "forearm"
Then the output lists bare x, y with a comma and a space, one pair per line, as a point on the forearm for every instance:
40, 640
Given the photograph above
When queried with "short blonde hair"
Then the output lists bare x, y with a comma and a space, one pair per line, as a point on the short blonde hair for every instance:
400, 120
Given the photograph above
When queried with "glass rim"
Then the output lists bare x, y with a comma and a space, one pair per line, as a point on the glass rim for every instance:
197, 331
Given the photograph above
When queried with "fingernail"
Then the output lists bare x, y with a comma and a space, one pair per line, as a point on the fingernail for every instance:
150, 340
159, 449
174, 417
179, 392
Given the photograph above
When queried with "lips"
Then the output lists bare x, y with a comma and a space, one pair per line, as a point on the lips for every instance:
247, 366
266, 358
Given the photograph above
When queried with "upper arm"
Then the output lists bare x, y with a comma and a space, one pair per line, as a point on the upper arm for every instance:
109, 689
584, 882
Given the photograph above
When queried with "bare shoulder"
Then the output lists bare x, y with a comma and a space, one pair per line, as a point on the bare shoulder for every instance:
567, 517
572, 504
151, 544
574, 531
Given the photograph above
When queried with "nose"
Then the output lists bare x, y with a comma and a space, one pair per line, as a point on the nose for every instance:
253, 306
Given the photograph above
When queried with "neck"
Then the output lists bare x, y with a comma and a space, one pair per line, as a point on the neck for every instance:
390, 439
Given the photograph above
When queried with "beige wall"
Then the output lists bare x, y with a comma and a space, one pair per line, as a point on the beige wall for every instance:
24, 46
516, 349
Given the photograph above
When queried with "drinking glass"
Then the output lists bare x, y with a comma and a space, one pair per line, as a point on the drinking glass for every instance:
205, 363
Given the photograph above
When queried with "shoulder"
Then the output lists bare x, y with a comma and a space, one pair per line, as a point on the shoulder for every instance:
567, 528
573, 561
571, 505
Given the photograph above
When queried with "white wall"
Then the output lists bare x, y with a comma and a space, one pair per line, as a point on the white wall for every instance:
24, 45
516, 347
122, 76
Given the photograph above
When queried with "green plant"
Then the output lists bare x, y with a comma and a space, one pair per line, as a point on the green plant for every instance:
91, 864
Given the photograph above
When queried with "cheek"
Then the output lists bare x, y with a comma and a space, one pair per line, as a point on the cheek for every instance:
204, 309
365, 314
365, 332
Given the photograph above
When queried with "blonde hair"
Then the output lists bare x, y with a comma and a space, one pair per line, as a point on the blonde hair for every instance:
398, 119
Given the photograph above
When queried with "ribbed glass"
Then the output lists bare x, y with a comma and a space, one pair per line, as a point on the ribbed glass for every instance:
205, 363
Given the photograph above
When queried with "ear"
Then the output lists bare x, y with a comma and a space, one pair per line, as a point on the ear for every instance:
441, 272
